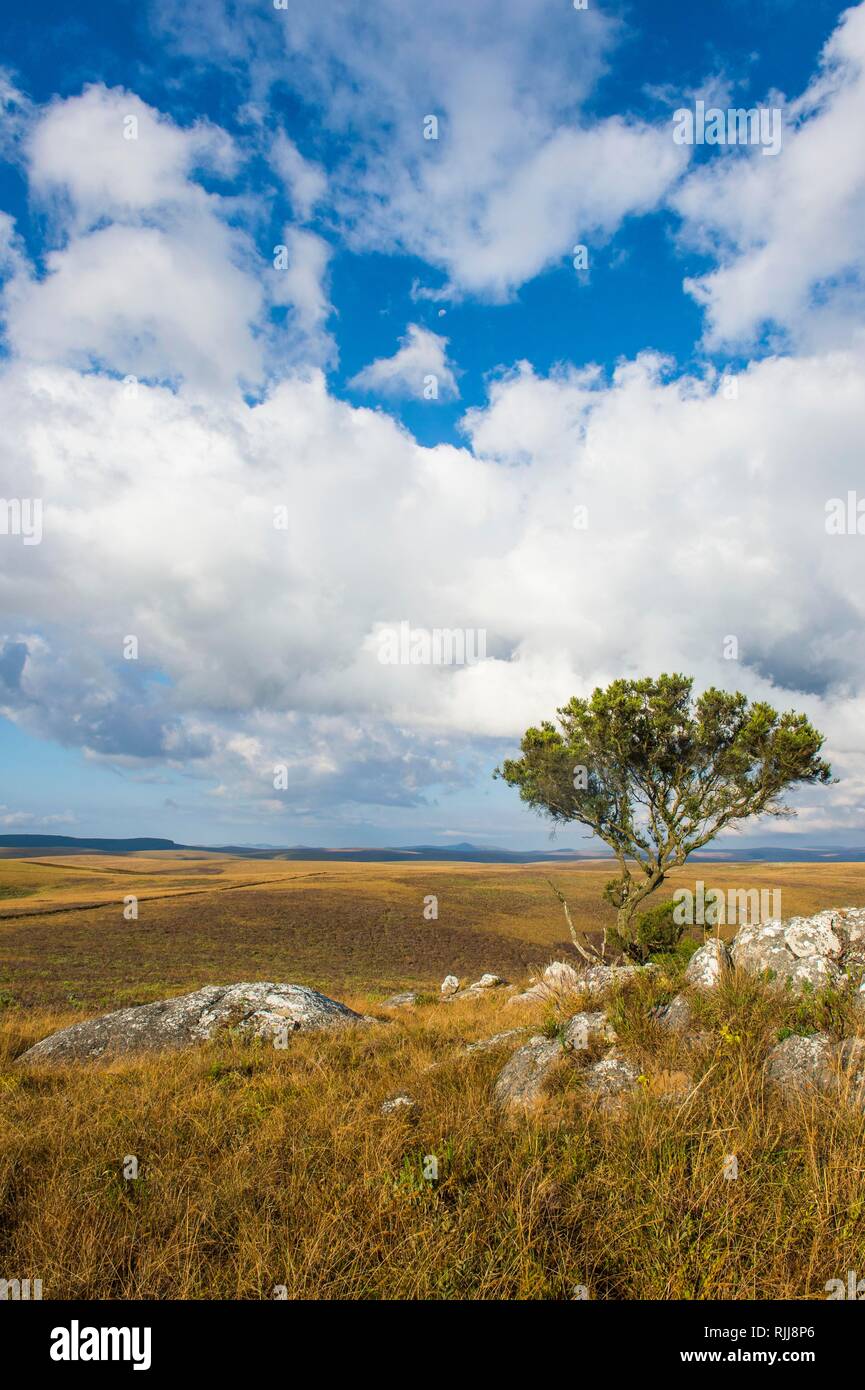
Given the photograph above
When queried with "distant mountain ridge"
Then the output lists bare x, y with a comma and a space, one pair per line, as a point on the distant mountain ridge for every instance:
463, 852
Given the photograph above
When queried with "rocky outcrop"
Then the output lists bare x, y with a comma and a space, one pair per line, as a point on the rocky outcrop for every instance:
816, 951
561, 979
271, 1012
611, 1079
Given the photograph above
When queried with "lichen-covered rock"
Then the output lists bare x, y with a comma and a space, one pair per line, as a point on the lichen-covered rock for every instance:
708, 965
676, 1015
801, 1064
259, 1009
585, 1028
519, 1085
401, 1103
811, 936
508, 1038
612, 1078
825, 949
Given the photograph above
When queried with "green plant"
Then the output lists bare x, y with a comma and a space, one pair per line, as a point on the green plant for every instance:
656, 774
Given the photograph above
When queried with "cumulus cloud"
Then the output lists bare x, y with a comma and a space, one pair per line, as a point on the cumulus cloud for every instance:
512, 174
789, 232
419, 363
150, 276
159, 521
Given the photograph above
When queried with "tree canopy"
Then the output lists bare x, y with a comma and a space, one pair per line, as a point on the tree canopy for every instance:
656, 773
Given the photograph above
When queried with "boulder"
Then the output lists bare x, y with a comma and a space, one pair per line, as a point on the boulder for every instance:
473, 990
449, 985
815, 1064
259, 1010
519, 1085
708, 964
403, 1000
801, 1064
612, 1078
585, 1028
825, 949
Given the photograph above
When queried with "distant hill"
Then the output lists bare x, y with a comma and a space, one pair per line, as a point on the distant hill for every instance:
56, 842
462, 853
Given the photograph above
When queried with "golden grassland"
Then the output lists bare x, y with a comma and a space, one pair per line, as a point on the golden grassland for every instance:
260, 1168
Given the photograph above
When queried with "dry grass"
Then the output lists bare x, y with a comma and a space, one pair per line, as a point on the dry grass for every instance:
262, 1168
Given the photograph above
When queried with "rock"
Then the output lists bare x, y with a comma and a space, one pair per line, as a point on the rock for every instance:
801, 1064
585, 1028
403, 1102
807, 936
449, 985
708, 965
612, 1078
472, 991
561, 978
560, 975
260, 1010
497, 1040
519, 1085
825, 949
403, 1000
677, 1014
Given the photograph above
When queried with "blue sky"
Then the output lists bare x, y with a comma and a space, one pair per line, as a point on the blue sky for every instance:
167, 387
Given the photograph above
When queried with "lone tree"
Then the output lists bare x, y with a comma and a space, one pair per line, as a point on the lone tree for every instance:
656, 774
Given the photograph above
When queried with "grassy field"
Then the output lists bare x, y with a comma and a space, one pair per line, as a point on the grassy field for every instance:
260, 1168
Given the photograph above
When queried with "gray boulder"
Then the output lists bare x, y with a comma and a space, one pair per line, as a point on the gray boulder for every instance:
815, 1063
806, 951
261, 1009
449, 985
403, 1000
519, 1085
708, 964
801, 1064
585, 1028
612, 1079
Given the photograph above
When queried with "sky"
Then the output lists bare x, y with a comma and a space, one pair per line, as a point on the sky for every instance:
319, 323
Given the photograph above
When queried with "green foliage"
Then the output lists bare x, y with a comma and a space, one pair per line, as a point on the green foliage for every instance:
656, 773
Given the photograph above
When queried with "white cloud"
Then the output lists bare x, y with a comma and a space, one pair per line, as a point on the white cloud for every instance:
306, 181
421, 355
516, 175
150, 277
158, 521
789, 232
